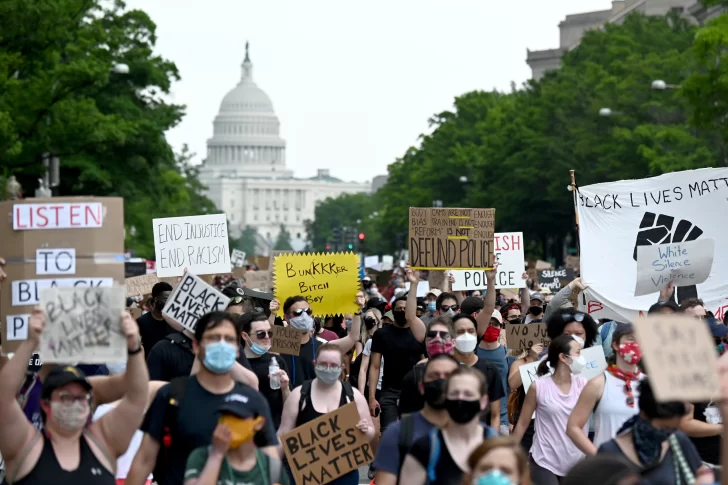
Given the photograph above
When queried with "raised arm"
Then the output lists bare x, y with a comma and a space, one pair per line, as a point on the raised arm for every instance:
483, 318
118, 426
580, 415
347, 343
17, 431
449, 280
417, 326
107, 389
273, 306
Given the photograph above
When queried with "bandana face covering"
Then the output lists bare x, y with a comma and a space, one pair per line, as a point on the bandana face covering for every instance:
648, 441
630, 352
242, 429
437, 346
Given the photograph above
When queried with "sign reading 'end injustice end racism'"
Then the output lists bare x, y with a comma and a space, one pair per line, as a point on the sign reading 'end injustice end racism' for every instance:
451, 238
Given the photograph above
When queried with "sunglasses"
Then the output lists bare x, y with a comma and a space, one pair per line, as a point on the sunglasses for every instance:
572, 317
300, 312
630, 394
261, 334
447, 308
443, 334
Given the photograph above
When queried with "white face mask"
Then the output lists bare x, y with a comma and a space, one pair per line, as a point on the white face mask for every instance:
577, 364
465, 343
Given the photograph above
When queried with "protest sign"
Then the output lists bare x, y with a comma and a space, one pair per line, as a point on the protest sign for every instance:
197, 243
328, 281
596, 364
685, 264
237, 258
522, 337
83, 325
679, 356
672, 208
423, 288
134, 268
508, 247
140, 285
451, 238
286, 340
260, 280
371, 261
327, 447
387, 263
54, 243
191, 299
555, 279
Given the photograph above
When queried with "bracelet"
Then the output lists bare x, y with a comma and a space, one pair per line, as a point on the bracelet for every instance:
135, 351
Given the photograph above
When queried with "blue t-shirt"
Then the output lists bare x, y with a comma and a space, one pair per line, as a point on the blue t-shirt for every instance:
498, 357
388, 459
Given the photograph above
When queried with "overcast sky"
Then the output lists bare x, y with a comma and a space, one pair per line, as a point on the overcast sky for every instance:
353, 83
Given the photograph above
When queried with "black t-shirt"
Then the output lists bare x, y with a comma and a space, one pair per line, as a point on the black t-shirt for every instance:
494, 383
709, 446
301, 365
152, 330
400, 350
446, 470
197, 418
273, 396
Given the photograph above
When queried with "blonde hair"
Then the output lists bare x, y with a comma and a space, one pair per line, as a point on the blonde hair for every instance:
364, 330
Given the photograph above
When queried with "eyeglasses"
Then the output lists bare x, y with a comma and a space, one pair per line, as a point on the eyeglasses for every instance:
447, 308
328, 367
443, 334
630, 394
576, 317
261, 334
300, 311
68, 398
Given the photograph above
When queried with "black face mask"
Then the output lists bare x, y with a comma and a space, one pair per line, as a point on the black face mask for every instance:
434, 393
515, 320
400, 318
159, 304
369, 322
462, 412
535, 310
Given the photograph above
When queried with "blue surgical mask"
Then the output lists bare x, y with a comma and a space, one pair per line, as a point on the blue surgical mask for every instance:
220, 357
258, 349
432, 306
116, 368
493, 477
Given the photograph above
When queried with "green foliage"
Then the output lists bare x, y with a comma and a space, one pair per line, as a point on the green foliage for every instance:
247, 241
283, 241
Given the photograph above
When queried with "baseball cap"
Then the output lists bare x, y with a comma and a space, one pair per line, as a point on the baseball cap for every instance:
389, 315
537, 296
663, 304
238, 406
61, 376
718, 330
497, 315
434, 291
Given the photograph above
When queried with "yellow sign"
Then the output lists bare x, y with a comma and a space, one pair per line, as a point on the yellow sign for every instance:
328, 281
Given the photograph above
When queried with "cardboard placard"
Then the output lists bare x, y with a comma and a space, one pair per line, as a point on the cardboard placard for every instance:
237, 258
680, 357
522, 337
328, 447
286, 340
511, 265
451, 238
260, 280
685, 264
58, 242
328, 281
596, 364
555, 279
83, 325
134, 268
197, 243
140, 285
191, 299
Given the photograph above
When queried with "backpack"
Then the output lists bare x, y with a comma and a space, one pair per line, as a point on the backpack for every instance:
435, 450
306, 392
177, 391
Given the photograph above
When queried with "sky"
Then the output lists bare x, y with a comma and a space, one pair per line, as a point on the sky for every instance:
353, 83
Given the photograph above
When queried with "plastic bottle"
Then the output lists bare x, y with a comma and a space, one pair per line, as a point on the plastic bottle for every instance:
275, 379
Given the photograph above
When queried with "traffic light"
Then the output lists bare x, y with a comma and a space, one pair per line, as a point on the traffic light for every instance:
337, 237
351, 246
361, 236
328, 247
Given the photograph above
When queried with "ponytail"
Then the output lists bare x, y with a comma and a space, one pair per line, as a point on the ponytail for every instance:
543, 368
559, 345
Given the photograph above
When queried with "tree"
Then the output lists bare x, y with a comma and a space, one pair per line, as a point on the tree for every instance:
283, 241
248, 241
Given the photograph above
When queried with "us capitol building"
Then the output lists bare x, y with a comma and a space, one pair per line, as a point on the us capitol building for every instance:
245, 170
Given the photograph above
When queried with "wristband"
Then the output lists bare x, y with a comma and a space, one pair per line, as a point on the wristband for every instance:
135, 351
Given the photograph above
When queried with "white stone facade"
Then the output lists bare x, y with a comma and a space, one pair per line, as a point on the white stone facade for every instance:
245, 171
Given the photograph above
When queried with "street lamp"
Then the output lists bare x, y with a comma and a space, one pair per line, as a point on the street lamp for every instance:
661, 85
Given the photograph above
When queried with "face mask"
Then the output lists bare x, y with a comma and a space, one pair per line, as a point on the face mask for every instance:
579, 340
302, 322
400, 318
259, 349
466, 343
449, 313
348, 324
493, 477
219, 357
434, 392
462, 412
515, 320
436, 347
70, 417
327, 375
370, 322
491, 334
535, 310
630, 352
159, 304
577, 364
432, 306
242, 429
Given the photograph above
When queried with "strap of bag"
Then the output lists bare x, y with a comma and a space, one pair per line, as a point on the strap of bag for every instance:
275, 466
305, 392
349, 391
434, 455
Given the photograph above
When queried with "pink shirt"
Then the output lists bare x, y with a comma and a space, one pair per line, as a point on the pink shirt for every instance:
551, 448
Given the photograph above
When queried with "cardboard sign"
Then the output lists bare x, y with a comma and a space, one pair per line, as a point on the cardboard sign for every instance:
83, 325
260, 280
555, 279
328, 447
680, 357
423, 288
596, 364
191, 299
198, 243
328, 281
522, 337
511, 265
286, 340
685, 264
451, 238
237, 258
56, 243
140, 285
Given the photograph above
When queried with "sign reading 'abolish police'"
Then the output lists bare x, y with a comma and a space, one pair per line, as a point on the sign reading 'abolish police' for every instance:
191, 299
451, 238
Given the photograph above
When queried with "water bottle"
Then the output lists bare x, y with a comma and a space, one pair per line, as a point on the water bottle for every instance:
275, 379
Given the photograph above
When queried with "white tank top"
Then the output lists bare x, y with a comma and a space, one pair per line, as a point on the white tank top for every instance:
612, 410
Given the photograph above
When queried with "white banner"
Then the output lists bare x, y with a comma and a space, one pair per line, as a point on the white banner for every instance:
511, 265
616, 218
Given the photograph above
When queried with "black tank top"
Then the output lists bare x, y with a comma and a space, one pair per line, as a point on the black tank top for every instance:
309, 413
90, 471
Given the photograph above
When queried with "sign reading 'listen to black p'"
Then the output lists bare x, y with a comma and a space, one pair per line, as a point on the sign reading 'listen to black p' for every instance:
191, 299
451, 238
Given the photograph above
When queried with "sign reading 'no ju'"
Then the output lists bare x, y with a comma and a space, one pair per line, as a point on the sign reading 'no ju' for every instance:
451, 238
